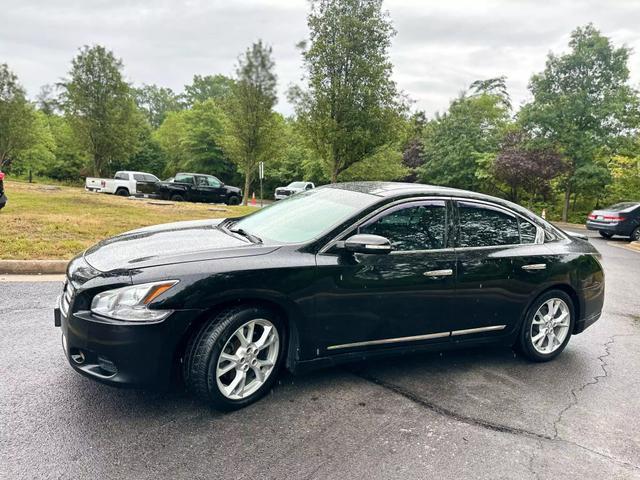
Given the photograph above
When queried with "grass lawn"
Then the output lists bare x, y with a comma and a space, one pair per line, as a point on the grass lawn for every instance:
53, 222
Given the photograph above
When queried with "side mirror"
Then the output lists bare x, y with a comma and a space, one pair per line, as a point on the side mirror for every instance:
371, 244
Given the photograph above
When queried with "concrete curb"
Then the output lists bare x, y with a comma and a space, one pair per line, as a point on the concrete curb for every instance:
635, 246
32, 267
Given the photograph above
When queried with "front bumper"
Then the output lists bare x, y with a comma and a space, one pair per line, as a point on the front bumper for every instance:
122, 353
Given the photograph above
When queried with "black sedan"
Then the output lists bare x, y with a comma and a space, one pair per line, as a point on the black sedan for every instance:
334, 274
619, 219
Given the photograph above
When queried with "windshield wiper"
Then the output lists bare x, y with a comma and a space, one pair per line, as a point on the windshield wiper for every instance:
244, 233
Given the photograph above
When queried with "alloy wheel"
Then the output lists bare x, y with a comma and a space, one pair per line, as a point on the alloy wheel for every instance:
550, 326
247, 359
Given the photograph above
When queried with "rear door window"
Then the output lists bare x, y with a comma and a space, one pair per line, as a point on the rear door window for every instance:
184, 179
485, 226
121, 176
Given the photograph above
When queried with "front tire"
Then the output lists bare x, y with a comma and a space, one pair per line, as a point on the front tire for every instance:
605, 234
547, 327
233, 360
177, 198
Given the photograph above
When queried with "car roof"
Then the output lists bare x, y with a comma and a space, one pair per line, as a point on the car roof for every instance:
195, 174
400, 190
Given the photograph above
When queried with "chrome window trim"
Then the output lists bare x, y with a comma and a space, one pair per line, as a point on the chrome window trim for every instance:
376, 212
415, 338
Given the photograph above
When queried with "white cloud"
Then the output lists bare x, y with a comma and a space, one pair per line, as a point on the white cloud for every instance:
440, 48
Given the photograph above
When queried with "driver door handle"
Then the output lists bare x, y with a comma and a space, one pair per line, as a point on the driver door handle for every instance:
439, 273
535, 266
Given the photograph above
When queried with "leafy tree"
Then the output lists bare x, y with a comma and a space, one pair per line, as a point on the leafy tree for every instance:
524, 167
100, 107
192, 140
413, 149
252, 123
17, 118
625, 176
70, 158
46, 100
149, 157
155, 102
350, 99
455, 142
41, 152
492, 86
582, 103
216, 87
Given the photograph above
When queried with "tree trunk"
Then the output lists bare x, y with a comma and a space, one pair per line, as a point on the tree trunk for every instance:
566, 204
247, 186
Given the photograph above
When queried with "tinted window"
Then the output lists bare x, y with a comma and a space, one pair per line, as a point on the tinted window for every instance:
121, 176
484, 226
528, 232
138, 177
417, 227
184, 179
150, 178
618, 207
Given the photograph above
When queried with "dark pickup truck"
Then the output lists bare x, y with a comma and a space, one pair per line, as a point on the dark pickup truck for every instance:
3, 197
194, 187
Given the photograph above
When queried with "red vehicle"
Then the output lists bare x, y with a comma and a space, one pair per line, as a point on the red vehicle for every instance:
3, 197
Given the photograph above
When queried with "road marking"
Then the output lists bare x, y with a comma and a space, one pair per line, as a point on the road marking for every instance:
31, 278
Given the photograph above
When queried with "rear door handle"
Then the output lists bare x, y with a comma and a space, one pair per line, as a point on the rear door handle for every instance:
439, 273
535, 266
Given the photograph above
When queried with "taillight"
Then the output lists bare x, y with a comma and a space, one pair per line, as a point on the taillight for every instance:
592, 216
613, 219
1, 176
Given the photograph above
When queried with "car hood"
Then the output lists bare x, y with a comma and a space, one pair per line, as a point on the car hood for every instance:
170, 243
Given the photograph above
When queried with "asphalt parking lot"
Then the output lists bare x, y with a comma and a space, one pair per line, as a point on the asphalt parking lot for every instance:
473, 414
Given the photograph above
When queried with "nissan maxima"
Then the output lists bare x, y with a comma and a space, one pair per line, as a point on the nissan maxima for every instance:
334, 274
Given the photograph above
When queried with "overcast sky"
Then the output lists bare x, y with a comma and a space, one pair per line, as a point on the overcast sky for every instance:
440, 48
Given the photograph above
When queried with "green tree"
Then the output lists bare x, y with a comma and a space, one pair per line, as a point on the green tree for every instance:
456, 142
582, 104
350, 99
252, 134
17, 118
202, 88
70, 158
100, 107
155, 102
192, 140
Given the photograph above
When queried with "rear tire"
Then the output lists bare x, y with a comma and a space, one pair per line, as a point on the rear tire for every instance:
122, 192
635, 235
545, 331
234, 359
177, 198
604, 234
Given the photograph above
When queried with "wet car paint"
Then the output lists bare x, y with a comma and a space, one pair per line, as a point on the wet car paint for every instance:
329, 297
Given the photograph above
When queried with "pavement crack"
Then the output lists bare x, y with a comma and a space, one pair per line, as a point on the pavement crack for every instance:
593, 381
497, 427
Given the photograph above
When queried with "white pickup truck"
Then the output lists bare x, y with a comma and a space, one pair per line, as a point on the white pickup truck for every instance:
124, 183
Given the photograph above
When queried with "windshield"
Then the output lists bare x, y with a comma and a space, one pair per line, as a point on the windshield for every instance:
305, 216
618, 207
296, 185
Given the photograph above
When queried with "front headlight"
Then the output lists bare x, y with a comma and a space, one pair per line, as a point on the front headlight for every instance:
130, 303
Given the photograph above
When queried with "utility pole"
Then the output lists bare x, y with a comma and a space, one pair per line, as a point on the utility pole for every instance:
261, 175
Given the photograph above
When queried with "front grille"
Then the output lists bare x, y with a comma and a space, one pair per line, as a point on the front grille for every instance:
67, 297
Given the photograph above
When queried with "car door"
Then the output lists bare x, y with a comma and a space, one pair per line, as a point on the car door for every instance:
494, 264
403, 298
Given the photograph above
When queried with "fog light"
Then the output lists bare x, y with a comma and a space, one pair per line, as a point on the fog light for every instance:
107, 365
77, 356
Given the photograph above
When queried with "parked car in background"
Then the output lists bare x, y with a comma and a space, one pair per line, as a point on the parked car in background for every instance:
194, 187
619, 219
294, 187
3, 197
123, 183
339, 273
